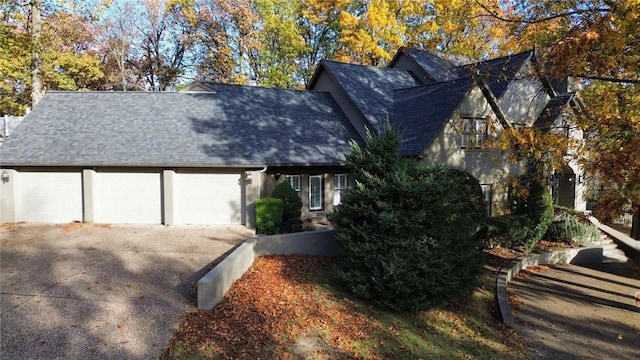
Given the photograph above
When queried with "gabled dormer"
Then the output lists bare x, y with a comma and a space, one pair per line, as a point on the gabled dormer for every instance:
364, 93
518, 83
429, 66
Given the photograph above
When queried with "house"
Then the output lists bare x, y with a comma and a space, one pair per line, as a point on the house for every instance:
204, 155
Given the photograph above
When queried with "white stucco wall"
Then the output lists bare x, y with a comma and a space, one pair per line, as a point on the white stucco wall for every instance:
490, 167
525, 97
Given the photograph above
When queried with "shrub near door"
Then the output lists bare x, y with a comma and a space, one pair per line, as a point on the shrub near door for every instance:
268, 215
292, 206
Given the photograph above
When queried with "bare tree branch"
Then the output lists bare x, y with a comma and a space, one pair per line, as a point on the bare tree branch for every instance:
493, 14
608, 79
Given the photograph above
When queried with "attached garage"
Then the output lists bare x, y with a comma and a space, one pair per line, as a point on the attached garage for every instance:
207, 199
54, 197
127, 197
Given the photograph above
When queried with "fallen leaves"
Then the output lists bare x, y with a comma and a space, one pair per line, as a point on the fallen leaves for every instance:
270, 309
280, 309
71, 226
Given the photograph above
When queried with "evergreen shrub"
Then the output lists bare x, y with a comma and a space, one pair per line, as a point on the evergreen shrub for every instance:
507, 230
569, 229
532, 199
268, 215
408, 229
292, 207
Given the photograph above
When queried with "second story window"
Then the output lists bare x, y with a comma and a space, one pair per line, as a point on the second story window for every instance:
474, 133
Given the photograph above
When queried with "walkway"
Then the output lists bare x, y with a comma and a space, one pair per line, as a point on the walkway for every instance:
572, 312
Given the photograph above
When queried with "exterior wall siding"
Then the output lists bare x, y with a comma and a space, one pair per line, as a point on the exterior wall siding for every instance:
404, 63
525, 97
327, 187
488, 166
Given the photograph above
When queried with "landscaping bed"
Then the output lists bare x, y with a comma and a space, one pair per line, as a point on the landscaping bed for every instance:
287, 307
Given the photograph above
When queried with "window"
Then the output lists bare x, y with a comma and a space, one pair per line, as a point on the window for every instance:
294, 181
315, 192
339, 183
486, 191
474, 132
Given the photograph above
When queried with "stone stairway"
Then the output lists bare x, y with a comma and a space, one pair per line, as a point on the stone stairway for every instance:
611, 254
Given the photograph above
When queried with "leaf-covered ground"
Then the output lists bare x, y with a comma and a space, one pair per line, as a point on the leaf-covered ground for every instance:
286, 307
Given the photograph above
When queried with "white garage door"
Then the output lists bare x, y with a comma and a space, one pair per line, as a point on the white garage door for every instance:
51, 197
207, 199
127, 198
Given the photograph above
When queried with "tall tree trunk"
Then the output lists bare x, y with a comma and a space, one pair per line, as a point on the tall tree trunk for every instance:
635, 222
36, 75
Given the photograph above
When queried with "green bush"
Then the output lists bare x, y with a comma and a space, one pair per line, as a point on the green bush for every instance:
268, 215
569, 229
408, 229
292, 207
507, 231
532, 199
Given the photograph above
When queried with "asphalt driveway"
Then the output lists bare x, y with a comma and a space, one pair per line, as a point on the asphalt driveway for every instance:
572, 312
95, 292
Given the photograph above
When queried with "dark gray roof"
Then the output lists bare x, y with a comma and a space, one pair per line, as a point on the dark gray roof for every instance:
421, 112
235, 126
550, 113
440, 67
370, 87
499, 72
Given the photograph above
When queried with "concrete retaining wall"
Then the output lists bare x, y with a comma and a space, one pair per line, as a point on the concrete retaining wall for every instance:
588, 256
213, 286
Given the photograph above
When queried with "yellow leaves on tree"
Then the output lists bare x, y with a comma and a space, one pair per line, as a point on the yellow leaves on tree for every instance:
371, 32
614, 144
547, 150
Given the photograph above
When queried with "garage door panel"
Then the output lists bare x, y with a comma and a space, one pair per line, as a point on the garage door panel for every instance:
133, 198
207, 199
51, 197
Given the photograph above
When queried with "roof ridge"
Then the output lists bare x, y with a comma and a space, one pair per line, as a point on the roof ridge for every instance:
250, 86
437, 83
499, 58
362, 65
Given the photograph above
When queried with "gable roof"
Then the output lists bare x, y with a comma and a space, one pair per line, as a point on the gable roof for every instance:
370, 88
437, 66
550, 113
421, 112
234, 126
198, 86
499, 72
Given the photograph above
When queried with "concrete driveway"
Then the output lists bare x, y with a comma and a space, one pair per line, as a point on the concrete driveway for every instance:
95, 292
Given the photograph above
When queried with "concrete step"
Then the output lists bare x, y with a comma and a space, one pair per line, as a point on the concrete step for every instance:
611, 253
614, 255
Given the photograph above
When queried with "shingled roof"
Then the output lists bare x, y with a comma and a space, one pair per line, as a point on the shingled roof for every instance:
234, 126
421, 112
550, 113
370, 87
438, 66
499, 72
